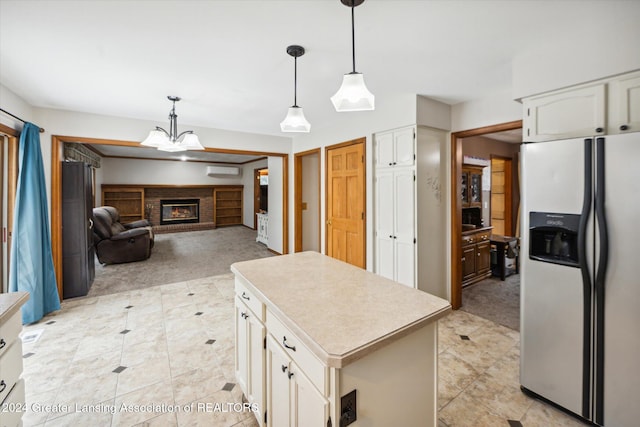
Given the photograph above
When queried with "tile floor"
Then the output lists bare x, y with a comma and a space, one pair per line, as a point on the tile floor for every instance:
140, 358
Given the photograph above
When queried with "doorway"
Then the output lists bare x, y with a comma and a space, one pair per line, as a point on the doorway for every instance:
457, 161
8, 185
345, 202
307, 201
260, 193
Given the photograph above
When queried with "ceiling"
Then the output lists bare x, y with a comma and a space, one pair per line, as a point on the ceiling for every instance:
228, 61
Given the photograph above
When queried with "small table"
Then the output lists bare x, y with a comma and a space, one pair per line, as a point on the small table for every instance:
501, 243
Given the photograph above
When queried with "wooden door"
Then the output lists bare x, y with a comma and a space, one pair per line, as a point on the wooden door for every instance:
345, 196
501, 196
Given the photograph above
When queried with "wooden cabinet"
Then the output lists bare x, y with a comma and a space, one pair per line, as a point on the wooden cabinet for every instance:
606, 107
471, 187
78, 256
12, 392
476, 255
227, 205
129, 200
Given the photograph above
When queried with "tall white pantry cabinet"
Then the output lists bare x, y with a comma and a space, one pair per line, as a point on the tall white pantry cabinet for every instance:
409, 214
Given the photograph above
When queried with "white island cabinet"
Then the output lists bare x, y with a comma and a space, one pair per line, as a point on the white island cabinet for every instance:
311, 329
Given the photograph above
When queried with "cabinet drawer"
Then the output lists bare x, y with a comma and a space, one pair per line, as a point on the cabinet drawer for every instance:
9, 331
313, 368
10, 368
483, 237
251, 301
13, 406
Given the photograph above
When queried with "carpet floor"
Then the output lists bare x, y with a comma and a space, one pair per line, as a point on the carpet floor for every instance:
177, 257
495, 300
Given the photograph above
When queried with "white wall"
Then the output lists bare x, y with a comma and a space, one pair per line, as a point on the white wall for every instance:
247, 181
497, 108
275, 204
17, 106
311, 196
392, 111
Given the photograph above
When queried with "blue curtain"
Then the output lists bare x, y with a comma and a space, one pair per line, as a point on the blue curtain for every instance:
31, 259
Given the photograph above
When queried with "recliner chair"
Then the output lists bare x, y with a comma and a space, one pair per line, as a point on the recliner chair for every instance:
116, 243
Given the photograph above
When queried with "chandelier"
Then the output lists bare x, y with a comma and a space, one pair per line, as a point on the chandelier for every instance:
170, 141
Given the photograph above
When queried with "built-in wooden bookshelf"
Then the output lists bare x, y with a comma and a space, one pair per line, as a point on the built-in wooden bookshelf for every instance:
227, 205
129, 201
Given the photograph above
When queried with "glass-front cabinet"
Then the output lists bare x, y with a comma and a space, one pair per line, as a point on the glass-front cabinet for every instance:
471, 186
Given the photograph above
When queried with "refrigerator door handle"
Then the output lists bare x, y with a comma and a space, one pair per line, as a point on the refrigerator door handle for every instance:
601, 271
587, 202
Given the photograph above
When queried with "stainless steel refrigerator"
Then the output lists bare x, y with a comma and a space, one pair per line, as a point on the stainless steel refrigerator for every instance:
580, 276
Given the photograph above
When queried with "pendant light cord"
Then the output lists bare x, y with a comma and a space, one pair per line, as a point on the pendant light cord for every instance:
295, 81
353, 38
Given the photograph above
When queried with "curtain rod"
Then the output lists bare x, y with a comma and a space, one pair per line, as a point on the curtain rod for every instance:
17, 118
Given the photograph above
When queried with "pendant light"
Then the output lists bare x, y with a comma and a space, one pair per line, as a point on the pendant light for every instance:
353, 95
170, 141
295, 120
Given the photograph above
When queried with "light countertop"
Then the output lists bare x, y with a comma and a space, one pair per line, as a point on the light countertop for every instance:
339, 311
10, 303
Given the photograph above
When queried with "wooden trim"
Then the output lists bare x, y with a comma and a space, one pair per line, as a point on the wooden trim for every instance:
8, 131
212, 186
285, 204
298, 171
57, 146
363, 141
456, 205
256, 193
57, 155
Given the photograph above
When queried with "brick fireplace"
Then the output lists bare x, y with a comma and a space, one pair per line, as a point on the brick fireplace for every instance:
203, 196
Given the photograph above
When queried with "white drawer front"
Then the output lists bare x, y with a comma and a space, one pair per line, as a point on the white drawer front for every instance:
10, 368
9, 331
13, 407
302, 356
250, 299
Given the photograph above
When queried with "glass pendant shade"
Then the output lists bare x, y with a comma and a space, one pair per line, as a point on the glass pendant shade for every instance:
353, 95
156, 138
172, 147
191, 142
295, 121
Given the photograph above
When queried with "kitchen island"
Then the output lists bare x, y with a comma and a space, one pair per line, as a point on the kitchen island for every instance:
311, 329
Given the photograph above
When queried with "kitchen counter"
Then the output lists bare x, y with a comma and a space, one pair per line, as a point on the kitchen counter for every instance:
312, 331
340, 311
11, 303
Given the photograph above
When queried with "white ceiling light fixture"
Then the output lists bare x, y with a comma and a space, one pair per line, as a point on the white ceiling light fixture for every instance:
170, 141
295, 120
353, 95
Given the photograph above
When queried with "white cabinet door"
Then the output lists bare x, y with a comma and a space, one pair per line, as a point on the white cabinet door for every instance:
278, 384
566, 114
256, 362
384, 220
310, 408
404, 147
242, 350
384, 150
624, 115
404, 219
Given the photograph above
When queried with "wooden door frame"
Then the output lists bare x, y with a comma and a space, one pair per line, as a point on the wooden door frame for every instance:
297, 173
12, 184
508, 198
363, 141
456, 205
57, 145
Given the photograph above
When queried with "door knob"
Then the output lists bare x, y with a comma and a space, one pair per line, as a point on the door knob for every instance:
328, 222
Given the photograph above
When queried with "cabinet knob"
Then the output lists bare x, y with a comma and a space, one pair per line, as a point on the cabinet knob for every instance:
624, 127
390, 164
290, 374
390, 236
284, 368
464, 259
244, 295
2, 343
599, 130
478, 254
3, 385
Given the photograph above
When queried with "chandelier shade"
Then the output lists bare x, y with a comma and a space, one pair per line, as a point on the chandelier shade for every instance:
295, 121
353, 94
171, 141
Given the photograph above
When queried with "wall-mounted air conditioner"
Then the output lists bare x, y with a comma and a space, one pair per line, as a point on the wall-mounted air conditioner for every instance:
224, 171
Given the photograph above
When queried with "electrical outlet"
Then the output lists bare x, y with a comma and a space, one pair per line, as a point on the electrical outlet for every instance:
348, 413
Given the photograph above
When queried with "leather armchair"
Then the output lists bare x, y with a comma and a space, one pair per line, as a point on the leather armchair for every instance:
116, 243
